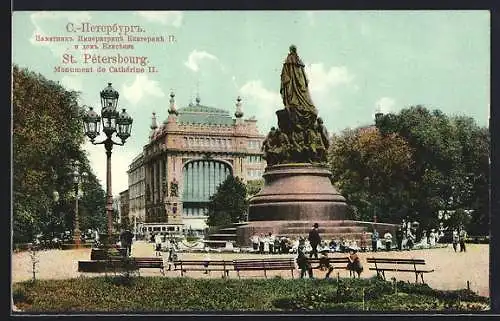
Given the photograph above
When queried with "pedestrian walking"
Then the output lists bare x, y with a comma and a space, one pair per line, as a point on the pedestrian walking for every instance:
314, 240
462, 236
207, 260
302, 262
454, 239
126, 239
374, 238
172, 257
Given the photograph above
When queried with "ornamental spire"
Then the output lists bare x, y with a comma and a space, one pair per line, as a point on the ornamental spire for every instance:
239, 111
154, 124
172, 109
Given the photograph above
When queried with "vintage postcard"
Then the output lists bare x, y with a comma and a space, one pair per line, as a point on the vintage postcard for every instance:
250, 161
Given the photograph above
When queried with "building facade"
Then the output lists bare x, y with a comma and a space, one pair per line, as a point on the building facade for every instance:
124, 205
136, 188
186, 158
117, 209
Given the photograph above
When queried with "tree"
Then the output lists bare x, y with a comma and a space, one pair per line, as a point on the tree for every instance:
371, 171
254, 186
47, 134
451, 163
229, 204
415, 163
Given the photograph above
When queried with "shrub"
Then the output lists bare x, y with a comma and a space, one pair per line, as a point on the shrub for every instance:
404, 302
160, 294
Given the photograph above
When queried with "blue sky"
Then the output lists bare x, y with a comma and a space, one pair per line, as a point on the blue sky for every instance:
356, 62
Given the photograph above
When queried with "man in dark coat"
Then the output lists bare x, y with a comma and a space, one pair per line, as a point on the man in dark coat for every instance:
126, 240
399, 238
302, 262
314, 239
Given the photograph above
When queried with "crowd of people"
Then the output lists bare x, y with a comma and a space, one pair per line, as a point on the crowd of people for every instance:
306, 266
405, 238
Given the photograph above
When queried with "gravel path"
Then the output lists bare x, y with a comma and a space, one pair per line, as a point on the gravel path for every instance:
452, 270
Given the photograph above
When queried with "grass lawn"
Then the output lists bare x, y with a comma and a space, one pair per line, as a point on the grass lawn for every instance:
163, 294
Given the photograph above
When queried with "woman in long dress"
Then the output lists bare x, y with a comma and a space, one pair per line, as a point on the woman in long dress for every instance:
354, 264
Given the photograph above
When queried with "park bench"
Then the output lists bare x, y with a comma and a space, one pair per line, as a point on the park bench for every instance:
134, 263
102, 254
386, 264
337, 262
264, 265
148, 263
203, 265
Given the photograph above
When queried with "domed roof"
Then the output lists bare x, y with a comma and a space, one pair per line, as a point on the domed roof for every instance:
200, 114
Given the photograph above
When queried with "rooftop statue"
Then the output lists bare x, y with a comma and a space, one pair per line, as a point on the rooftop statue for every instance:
295, 92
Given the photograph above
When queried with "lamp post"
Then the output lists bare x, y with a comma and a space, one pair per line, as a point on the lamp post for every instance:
77, 176
112, 121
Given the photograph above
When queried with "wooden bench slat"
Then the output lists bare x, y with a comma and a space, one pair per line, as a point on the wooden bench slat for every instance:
384, 262
401, 270
203, 265
137, 263
395, 261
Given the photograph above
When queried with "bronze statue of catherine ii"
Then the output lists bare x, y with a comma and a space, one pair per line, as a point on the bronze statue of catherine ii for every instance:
295, 92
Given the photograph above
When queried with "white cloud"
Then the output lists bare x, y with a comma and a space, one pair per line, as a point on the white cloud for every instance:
172, 18
72, 83
385, 104
42, 20
262, 103
322, 80
141, 86
195, 57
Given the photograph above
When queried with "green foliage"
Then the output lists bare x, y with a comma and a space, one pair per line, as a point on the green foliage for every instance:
148, 294
254, 186
47, 134
371, 171
415, 163
229, 204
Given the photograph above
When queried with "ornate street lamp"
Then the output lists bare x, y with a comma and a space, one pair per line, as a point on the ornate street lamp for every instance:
77, 177
112, 121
